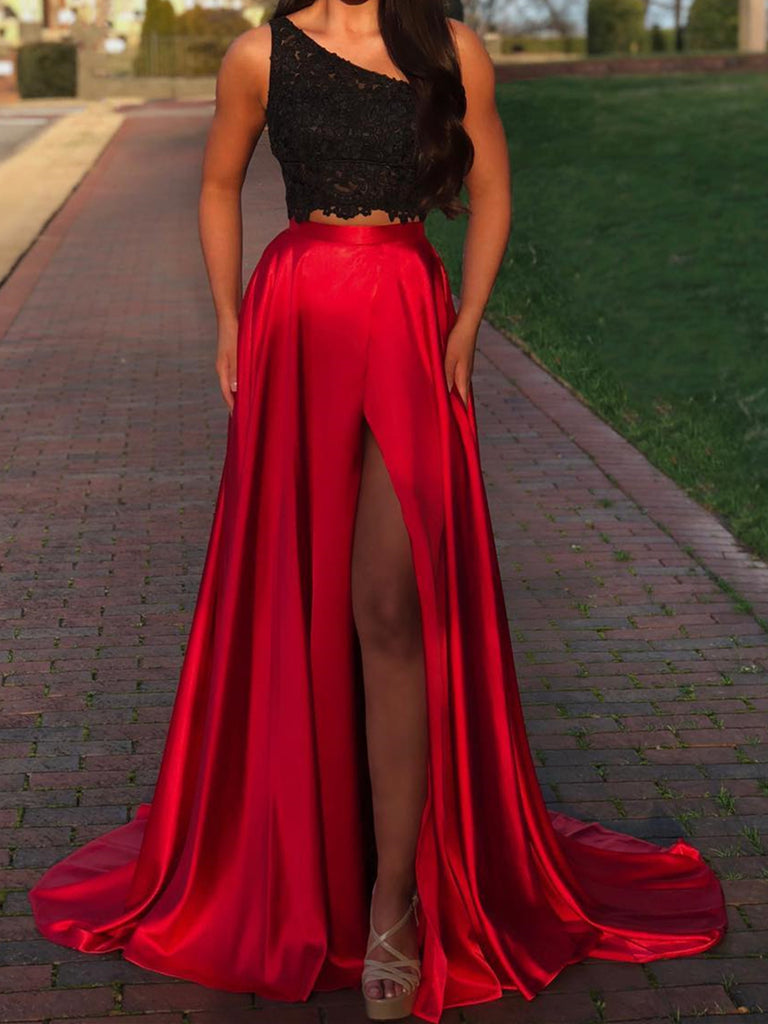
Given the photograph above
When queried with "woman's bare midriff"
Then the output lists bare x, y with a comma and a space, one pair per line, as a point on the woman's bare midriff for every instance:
375, 217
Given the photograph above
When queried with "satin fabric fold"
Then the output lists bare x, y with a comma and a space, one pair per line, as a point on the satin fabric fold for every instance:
250, 870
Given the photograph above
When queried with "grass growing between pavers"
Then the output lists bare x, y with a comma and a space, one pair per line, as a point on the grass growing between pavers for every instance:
636, 270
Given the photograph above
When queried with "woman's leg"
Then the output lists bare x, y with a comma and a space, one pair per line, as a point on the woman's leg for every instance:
388, 622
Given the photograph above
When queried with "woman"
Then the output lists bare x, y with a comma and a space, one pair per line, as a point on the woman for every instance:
346, 794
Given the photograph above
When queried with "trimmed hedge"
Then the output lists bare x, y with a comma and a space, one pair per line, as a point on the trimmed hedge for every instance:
46, 69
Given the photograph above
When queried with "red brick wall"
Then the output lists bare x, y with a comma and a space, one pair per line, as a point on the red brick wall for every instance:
599, 67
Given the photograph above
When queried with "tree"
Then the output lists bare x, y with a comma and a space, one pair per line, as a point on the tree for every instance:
215, 22
614, 26
658, 43
562, 17
481, 14
713, 25
159, 23
159, 17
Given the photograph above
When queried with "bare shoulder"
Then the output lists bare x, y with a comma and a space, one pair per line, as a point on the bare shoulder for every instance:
474, 60
245, 64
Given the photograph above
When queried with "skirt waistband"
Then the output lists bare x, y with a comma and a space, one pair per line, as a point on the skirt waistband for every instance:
359, 234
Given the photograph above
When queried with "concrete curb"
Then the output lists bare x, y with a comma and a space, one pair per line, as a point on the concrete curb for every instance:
697, 531
38, 178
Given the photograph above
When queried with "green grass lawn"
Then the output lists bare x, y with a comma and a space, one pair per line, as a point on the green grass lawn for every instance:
637, 268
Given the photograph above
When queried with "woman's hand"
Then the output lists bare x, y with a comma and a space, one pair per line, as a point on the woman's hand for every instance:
238, 121
226, 362
459, 358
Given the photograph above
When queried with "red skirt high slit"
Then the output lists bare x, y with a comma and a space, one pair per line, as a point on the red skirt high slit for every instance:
251, 868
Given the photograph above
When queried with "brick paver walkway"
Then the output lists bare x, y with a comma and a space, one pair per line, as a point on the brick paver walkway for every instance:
643, 677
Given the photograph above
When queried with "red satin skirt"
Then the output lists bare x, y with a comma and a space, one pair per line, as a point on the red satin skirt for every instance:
251, 868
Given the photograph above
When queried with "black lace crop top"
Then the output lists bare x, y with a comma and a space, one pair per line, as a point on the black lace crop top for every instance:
344, 135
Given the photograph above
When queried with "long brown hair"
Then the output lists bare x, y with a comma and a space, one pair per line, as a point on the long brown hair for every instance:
419, 41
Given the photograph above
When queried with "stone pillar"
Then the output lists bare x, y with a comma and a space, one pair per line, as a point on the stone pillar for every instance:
752, 26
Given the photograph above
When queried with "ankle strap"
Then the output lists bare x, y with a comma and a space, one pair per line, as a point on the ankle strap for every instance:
381, 939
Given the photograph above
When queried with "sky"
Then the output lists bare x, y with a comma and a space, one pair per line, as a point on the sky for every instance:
658, 11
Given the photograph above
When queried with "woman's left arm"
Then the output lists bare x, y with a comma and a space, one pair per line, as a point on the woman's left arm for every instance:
489, 190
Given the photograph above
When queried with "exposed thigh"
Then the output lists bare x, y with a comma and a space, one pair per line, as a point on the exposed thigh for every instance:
382, 568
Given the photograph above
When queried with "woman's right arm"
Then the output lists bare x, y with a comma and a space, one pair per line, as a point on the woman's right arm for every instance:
238, 121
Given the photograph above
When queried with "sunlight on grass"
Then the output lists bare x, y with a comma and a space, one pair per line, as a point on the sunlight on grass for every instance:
636, 267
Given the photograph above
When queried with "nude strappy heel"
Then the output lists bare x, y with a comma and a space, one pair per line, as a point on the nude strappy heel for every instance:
402, 971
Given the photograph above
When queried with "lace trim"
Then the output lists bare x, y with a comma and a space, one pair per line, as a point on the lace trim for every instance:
344, 60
